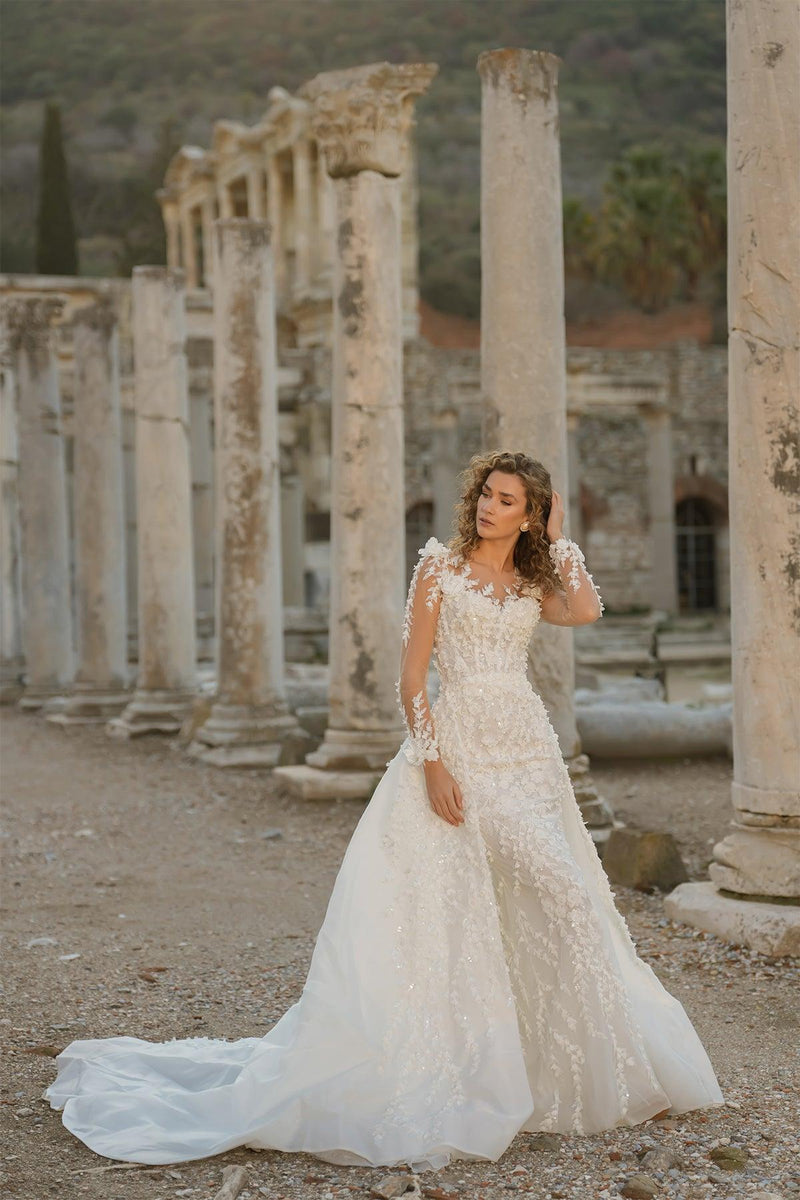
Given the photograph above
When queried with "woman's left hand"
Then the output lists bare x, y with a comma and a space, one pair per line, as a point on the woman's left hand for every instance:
556, 519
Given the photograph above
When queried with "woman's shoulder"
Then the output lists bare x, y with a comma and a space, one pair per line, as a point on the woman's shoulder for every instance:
433, 548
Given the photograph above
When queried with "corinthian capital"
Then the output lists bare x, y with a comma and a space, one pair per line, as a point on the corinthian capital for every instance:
361, 116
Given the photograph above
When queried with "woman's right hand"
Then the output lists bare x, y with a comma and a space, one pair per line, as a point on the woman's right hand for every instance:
443, 792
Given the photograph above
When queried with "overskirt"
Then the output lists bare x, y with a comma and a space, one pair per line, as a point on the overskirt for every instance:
466, 983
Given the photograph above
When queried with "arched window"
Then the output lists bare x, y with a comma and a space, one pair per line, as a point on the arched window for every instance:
696, 552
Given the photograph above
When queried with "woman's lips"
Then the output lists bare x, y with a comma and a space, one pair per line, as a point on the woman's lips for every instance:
483, 521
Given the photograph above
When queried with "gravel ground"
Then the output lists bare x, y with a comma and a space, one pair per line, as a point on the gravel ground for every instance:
128, 910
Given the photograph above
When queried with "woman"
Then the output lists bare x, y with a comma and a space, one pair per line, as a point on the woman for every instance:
472, 977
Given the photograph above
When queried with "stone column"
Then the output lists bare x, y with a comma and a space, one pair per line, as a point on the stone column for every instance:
445, 466
255, 193
172, 225
46, 600
573, 504
189, 247
523, 340
224, 202
361, 118
101, 601
293, 539
11, 660
207, 216
754, 893
302, 214
250, 723
275, 218
664, 585
167, 680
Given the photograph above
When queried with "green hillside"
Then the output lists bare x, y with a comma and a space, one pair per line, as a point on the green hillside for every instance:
635, 73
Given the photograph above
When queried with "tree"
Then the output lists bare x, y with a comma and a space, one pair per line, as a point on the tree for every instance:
56, 244
646, 238
143, 239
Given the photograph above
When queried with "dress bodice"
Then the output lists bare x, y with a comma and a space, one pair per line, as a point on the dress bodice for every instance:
478, 634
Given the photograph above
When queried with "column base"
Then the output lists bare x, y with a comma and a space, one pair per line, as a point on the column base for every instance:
40, 695
768, 927
249, 736
356, 749
313, 783
11, 685
595, 809
87, 706
156, 711
758, 861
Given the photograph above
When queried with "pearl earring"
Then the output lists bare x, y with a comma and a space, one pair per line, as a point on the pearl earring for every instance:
525, 526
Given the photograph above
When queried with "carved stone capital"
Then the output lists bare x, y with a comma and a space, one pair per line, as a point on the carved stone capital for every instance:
361, 116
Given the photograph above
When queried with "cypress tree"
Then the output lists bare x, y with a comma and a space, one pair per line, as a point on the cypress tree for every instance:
56, 245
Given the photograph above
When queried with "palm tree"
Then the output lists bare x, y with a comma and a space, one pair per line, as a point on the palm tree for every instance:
645, 235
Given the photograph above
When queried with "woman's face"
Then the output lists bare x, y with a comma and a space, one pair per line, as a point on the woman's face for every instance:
501, 505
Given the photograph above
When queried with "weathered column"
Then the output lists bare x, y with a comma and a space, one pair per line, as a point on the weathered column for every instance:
275, 218
46, 601
167, 679
523, 338
189, 246
224, 202
11, 660
302, 214
101, 602
293, 538
255, 193
445, 466
172, 226
754, 893
360, 119
207, 217
250, 723
664, 586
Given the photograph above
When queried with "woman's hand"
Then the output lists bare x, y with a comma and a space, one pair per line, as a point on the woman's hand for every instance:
556, 519
443, 792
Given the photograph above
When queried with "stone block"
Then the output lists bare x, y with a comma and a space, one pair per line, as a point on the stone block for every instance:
643, 860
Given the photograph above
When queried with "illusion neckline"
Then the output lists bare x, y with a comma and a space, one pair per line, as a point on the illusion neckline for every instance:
487, 589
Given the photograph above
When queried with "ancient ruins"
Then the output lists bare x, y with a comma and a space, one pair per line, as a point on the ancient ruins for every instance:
206, 469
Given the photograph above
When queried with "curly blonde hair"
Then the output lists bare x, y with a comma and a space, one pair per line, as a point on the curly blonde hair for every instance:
531, 556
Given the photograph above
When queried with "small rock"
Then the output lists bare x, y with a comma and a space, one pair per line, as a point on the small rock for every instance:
68, 957
545, 1141
271, 833
730, 1158
23, 1112
396, 1185
660, 1160
41, 941
639, 1187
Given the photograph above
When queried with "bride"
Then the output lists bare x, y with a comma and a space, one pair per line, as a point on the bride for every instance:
472, 977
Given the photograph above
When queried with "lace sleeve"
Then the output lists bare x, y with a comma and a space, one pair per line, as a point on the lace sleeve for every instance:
419, 629
564, 552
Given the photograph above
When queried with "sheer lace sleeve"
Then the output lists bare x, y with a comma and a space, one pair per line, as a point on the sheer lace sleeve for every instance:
419, 629
563, 608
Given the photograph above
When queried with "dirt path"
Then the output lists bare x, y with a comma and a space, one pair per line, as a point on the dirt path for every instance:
176, 911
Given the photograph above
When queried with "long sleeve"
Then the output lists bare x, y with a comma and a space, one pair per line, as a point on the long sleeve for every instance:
568, 559
419, 629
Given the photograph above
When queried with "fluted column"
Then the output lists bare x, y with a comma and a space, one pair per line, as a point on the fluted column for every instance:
167, 681
172, 226
250, 723
46, 601
361, 118
207, 217
101, 602
11, 660
255, 193
753, 896
523, 337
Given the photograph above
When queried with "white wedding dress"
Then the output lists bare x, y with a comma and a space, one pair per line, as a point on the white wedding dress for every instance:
468, 982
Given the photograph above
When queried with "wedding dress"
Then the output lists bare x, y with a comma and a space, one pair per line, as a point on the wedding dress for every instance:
468, 982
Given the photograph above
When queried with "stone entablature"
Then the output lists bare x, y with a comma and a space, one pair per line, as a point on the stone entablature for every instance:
274, 170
